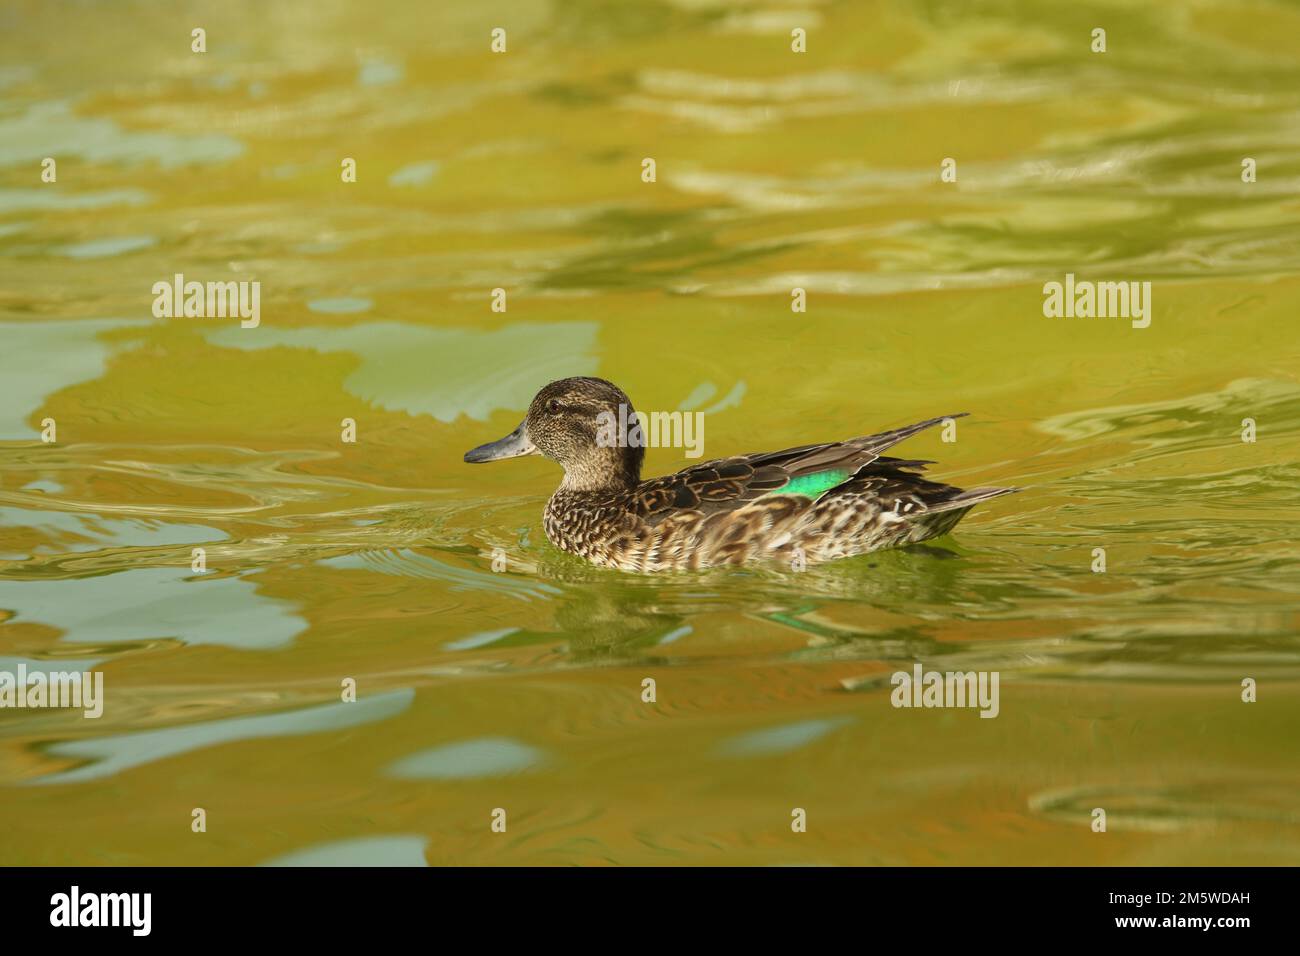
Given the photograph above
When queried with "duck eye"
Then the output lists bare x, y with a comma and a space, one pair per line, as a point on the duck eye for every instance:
553, 406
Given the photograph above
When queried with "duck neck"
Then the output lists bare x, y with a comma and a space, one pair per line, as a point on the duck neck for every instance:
607, 473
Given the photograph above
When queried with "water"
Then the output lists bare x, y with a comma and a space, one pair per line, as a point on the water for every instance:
522, 690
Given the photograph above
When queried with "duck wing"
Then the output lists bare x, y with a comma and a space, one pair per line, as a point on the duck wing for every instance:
808, 472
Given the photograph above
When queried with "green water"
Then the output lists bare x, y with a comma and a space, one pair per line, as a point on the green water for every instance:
329, 561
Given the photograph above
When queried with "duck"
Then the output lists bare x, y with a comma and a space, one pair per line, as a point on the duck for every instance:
801, 506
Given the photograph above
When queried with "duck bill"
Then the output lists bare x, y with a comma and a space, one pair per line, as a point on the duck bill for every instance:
513, 445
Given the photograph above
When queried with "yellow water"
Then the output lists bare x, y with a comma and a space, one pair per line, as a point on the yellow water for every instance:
522, 690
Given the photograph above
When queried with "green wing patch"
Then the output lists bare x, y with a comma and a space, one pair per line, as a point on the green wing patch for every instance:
814, 485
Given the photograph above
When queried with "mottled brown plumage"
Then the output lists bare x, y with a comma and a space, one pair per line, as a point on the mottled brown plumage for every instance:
801, 505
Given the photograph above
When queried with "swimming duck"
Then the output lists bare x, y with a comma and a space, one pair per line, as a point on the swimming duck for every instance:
801, 505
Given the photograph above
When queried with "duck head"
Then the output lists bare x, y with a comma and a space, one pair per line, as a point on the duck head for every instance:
587, 425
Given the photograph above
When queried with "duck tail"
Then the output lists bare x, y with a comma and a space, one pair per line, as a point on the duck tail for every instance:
879, 442
942, 516
966, 499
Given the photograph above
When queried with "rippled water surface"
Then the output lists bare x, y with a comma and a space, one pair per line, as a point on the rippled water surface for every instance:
521, 690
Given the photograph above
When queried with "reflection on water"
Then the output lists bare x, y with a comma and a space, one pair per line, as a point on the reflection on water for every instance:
109, 755
42, 358
43, 128
781, 739
407, 850
524, 688
491, 756
153, 602
483, 371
